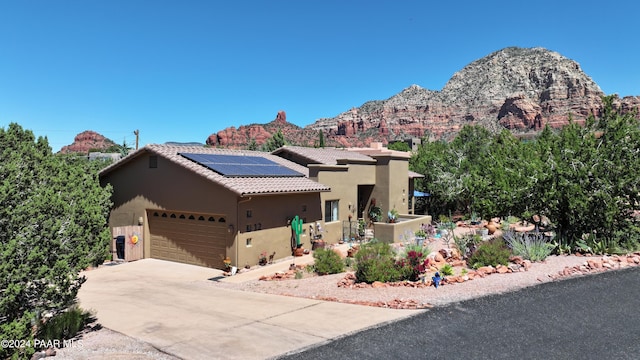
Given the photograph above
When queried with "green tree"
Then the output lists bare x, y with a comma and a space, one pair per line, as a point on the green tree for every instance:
53, 215
320, 139
594, 188
274, 142
399, 146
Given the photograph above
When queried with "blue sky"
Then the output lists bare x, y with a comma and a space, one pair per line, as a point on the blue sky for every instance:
182, 70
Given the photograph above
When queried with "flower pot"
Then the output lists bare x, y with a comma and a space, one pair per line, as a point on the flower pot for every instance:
318, 244
482, 232
298, 251
491, 228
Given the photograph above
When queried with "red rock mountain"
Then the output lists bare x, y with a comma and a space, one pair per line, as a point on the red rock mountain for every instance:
520, 89
260, 133
87, 140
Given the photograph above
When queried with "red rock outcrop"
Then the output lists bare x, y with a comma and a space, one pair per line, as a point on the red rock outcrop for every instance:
241, 137
86, 141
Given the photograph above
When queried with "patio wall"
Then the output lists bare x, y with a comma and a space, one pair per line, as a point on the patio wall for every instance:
390, 232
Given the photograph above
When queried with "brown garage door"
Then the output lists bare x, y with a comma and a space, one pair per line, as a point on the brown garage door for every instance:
196, 239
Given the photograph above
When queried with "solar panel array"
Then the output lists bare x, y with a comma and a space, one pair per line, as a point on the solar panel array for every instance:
241, 166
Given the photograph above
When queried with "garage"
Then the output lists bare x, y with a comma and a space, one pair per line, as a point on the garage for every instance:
197, 239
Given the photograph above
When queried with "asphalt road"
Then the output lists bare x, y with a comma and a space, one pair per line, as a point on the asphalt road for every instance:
590, 317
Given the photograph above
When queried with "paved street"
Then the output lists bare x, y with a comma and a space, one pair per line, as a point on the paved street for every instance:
591, 317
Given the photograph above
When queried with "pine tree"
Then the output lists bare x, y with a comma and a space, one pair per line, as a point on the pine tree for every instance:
53, 215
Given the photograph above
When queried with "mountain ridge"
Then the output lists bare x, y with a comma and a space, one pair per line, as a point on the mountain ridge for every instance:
519, 89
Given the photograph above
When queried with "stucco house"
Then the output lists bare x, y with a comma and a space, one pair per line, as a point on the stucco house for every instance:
199, 205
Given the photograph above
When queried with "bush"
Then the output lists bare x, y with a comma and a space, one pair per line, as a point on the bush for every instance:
65, 325
531, 246
375, 261
327, 261
446, 270
413, 263
492, 252
466, 243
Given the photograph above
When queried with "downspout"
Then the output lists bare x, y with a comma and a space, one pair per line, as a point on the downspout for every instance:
238, 226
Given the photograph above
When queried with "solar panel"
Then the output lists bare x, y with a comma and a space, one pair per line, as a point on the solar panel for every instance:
241, 166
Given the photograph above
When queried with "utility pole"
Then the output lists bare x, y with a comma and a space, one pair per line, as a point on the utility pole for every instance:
137, 134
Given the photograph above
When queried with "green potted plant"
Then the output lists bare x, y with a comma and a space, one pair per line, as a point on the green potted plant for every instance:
375, 212
262, 260
361, 226
392, 215
420, 236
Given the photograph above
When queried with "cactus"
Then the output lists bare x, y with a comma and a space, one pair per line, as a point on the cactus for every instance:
296, 226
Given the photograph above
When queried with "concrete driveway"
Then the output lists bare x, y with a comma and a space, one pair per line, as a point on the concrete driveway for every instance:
175, 308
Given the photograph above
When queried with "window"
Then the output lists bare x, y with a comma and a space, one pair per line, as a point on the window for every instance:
331, 210
249, 213
153, 161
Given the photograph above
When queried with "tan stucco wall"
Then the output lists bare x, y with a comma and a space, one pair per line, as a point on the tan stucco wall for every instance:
343, 181
402, 231
392, 186
272, 213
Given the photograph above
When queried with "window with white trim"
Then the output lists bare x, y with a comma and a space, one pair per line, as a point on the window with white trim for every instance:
330, 210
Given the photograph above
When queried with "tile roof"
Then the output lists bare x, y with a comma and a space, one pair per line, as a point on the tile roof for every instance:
239, 185
326, 156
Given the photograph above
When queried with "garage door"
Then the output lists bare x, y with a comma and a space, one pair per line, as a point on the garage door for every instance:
196, 239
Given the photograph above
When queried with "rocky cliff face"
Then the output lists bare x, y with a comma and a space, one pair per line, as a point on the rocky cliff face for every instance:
87, 140
515, 88
520, 89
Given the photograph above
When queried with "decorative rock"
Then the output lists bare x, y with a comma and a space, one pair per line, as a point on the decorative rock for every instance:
594, 264
459, 263
501, 269
446, 253
526, 264
515, 267
378, 284
516, 259
486, 270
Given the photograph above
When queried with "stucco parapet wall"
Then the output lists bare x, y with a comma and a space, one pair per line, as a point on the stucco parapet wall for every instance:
384, 152
392, 232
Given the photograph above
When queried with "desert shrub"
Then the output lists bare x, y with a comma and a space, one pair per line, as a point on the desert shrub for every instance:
492, 252
446, 270
327, 261
466, 243
375, 261
65, 325
413, 263
531, 246
628, 240
417, 248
